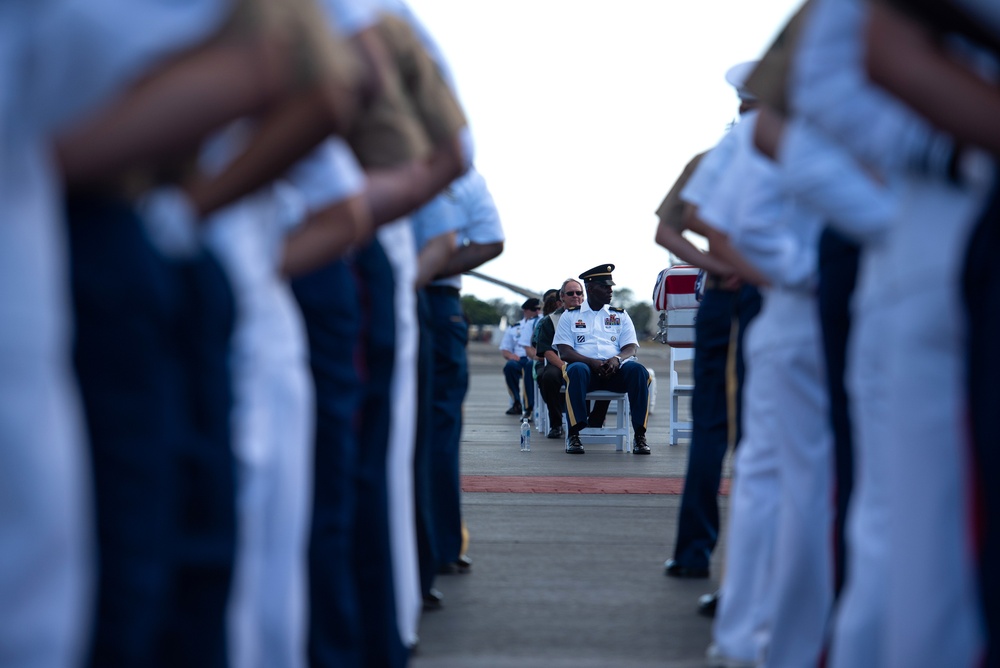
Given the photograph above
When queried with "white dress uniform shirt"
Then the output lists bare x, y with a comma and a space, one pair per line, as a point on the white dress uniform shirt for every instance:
510, 339
472, 203
527, 329
829, 86
703, 182
599, 334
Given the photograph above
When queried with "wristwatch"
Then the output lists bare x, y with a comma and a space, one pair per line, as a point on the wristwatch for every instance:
619, 360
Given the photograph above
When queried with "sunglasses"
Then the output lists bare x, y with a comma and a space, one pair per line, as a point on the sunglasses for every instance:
575, 293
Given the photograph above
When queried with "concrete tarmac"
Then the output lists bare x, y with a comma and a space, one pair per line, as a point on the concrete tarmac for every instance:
567, 550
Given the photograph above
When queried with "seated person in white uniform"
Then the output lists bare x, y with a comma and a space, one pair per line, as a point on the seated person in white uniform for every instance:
598, 344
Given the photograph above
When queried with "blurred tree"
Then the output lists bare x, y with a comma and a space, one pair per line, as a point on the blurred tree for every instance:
479, 312
642, 317
510, 309
640, 312
623, 297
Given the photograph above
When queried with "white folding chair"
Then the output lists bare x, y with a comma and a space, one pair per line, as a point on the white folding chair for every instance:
541, 411
621, 433
678, 428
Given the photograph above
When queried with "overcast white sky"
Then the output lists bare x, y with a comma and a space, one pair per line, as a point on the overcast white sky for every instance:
584, 114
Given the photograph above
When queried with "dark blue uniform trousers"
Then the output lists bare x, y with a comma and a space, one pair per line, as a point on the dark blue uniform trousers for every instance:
421, 455
126, 300
838, 270
151, 353
981, 287
632, 378
698, 519
196, 633
328, 299
514, 372
451, 382
382, 645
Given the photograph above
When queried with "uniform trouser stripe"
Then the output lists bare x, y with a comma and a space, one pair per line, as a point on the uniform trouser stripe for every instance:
645, 417
732, 382
569, 404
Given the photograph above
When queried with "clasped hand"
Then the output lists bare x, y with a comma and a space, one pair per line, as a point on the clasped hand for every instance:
608, 367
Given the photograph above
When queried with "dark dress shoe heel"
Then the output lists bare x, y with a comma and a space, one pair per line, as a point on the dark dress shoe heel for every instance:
675, 570
707, 604
433, 600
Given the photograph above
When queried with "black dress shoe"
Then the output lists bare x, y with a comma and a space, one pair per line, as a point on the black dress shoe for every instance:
574, 446
639, 446
555, 432
433, 600
461, 565
707, 604
514, 410
675, 570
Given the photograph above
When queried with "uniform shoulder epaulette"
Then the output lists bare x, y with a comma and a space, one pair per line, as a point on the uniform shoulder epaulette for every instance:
619, 309
573, 308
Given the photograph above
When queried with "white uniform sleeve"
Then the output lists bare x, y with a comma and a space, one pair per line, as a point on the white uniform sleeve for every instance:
441, 215
627, 335
829, 86
483, 220
328, 175
527, 329
776, 236
721, 201
853, 202
760, 217
89, 50
564, 332
507, 343
711, 168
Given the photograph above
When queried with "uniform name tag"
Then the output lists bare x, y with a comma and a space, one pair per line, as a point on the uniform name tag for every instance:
580, 324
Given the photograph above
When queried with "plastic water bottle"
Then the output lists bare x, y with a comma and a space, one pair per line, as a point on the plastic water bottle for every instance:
525, 435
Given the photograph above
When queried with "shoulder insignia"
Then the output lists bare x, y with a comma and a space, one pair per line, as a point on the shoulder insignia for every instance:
574, 308
618, 309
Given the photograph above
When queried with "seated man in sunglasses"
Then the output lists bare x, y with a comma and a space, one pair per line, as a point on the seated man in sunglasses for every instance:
550, 376
598, 344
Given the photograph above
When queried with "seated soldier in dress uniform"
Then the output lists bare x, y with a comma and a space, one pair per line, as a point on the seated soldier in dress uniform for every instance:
598, 344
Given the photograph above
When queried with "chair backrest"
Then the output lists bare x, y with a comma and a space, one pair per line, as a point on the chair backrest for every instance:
678, 355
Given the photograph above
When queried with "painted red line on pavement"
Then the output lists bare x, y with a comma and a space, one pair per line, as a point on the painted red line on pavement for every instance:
575, 485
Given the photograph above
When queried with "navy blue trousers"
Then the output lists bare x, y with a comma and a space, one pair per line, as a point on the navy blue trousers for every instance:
632, 378
698, 518
838, 270
516, 372
451, 382
981, 287
328, 299
151, 354
204, 554
382, 646
126, 300
426, 544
